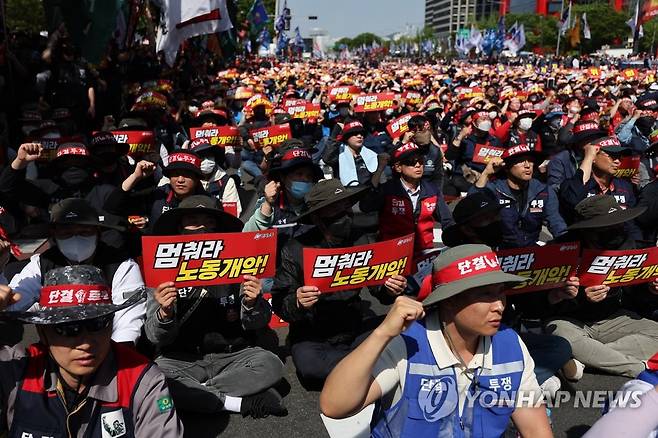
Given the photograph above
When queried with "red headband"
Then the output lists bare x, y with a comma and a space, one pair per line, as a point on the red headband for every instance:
68, 295
470, 266
408, 147
73, 150
585, 127
296, 153
182, 157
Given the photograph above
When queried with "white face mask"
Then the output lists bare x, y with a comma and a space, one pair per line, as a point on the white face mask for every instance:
77, 248
207, 165
484, 125
525, 123
493, 114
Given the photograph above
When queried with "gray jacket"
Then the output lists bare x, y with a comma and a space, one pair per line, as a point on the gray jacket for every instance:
150, 415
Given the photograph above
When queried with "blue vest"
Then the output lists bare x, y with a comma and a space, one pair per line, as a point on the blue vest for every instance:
429, 406
649, 376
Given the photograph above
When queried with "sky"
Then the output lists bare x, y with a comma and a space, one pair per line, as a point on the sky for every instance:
348, 18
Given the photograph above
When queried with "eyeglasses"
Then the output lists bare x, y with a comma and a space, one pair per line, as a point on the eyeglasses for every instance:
412, 161
73, 329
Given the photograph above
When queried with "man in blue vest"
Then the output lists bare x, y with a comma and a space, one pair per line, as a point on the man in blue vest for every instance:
76, 381
455, 371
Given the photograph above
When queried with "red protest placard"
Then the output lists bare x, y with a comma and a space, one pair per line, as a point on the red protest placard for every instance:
545, 267
618, 268
231, 208
335, 269
141, 142
271, 135
412, 97
484, 152
221, 136
307, 111
374, 102
629, 167
50, 145
208, 259
275, 321
399, 126
343, 94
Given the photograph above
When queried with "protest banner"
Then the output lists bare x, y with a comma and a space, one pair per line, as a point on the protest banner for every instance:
221, 136
208, 259
483, 153
343, 94
629, 167
230, 208
306, 110
258, 100
467, 93
412, 97
399, 126
140, 142
618, 268
270, 135
374, 102
545, 267
50, 145
275, 321
335, 269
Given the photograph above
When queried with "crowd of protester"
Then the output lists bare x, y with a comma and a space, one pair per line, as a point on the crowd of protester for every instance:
342, 179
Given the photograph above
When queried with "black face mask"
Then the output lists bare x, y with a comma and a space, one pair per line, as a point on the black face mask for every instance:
491, 235
74, 176
340, 228
645, 125
202, 230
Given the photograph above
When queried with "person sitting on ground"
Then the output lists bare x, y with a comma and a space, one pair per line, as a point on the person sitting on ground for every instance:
204, 337
324, 328
75, 378
527, 202
596, 320
75, 228
440, 355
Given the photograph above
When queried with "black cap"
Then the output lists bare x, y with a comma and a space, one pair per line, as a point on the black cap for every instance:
75, 211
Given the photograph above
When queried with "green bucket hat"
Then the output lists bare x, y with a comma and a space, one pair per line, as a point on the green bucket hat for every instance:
462, 268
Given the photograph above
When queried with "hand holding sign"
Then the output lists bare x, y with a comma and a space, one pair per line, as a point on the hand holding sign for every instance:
597, 293
251, 288
396, 285
166, 295
307, 296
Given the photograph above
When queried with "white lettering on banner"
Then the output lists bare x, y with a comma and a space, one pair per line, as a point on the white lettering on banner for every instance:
168, 255
324, 266
519, 262
601, 265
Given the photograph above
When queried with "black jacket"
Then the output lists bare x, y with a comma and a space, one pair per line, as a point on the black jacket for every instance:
336, 317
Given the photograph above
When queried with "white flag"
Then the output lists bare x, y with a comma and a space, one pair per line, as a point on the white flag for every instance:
183, 19
586, 32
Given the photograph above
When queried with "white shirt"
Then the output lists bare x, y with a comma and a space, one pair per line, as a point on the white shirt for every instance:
127, 279
391, 367
414, 195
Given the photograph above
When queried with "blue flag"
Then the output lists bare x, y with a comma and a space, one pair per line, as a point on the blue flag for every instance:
258, 17
299, 41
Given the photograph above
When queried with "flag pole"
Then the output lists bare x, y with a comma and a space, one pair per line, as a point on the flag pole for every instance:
559, 31
636, 31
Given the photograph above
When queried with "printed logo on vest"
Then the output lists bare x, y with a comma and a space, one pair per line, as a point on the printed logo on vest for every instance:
165, 404
437, 398
537, 206
31, 435
113, 424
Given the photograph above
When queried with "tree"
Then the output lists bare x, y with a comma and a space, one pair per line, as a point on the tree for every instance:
25, 15
606, 25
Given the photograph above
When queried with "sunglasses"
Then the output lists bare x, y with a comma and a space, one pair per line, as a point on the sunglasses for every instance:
73, 329
412, 161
